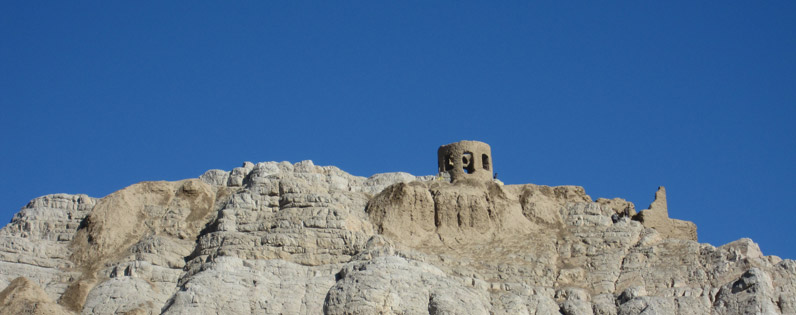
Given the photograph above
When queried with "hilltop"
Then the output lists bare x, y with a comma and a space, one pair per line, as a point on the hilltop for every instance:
282, 238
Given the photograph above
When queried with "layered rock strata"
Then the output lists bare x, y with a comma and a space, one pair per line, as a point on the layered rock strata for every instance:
282, 238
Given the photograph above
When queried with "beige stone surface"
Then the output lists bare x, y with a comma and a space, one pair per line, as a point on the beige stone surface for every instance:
283, 238
22, 296
657, 217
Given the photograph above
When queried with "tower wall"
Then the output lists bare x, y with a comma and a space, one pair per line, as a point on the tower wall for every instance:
466, 159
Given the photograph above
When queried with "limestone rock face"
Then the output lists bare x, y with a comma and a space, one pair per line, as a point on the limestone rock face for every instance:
282, 238
35, 245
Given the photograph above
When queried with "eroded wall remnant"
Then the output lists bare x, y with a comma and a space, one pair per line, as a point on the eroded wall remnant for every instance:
465, 159
657, 217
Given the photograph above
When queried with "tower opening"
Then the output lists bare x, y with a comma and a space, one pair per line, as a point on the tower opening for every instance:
468, 163
448, 162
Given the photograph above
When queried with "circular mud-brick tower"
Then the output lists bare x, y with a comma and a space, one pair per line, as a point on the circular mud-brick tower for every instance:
465, 159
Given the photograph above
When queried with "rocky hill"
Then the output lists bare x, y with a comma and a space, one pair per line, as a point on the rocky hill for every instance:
281, 238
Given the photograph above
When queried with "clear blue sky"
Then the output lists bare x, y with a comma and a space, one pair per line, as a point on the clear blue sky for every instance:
617, 97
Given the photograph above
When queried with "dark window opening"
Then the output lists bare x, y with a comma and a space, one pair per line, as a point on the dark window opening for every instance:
448, 162
467, 162
485, 161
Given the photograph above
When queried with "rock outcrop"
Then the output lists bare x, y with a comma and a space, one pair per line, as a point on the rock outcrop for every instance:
282, 238
22, 296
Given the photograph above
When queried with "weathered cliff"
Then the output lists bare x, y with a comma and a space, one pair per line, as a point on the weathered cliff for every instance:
281, 238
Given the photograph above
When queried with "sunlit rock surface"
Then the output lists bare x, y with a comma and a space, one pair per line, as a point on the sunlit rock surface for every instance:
282, 238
